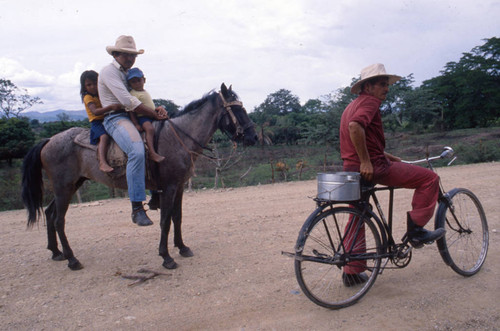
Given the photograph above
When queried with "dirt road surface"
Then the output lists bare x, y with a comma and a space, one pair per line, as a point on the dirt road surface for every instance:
238, 279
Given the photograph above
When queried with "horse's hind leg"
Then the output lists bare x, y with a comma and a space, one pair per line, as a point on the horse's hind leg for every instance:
50, 213
62, 201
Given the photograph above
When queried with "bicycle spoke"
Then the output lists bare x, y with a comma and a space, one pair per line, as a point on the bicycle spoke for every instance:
321, 263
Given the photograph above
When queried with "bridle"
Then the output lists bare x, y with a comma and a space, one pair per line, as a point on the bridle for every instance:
229, 111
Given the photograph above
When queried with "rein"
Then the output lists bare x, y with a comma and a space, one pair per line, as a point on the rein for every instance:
175, 128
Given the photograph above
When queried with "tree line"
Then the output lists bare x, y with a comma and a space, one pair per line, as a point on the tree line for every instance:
466, 94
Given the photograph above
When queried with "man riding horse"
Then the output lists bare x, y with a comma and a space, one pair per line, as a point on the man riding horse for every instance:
112, 86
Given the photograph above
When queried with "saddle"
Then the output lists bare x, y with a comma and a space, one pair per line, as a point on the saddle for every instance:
116, 158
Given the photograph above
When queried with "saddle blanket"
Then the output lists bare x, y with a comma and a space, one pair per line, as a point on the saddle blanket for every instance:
116, 158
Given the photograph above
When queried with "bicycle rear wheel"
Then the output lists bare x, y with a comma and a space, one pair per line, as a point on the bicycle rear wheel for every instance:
465, 245
323, 253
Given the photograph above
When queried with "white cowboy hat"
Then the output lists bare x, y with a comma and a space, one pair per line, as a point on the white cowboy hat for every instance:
124, 44
374, 70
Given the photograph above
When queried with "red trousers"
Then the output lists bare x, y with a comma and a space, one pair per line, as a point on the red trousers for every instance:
398, 174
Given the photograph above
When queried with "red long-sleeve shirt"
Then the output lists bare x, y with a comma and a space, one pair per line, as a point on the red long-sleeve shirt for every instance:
365, 111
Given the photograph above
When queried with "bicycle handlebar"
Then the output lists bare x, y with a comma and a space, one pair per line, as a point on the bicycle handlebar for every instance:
447, 153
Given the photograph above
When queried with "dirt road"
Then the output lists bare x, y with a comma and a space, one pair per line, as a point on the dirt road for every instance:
238, 279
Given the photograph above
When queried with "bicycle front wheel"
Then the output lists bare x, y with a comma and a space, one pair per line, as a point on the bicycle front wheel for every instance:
338, 240
465, 245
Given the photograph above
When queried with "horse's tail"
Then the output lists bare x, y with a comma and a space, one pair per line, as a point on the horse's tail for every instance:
32, 192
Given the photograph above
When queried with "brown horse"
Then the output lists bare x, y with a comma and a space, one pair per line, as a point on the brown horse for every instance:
181, 139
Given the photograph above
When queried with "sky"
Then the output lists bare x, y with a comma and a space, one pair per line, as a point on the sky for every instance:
309, 47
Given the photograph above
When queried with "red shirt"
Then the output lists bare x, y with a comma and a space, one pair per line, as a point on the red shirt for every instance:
365, 111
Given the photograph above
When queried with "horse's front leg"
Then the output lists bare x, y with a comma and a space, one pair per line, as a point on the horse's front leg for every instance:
168, 261
177, 220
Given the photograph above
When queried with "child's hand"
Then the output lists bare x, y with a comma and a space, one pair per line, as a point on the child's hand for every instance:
139, 128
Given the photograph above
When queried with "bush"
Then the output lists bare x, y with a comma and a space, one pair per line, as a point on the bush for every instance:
483, 151
10, 188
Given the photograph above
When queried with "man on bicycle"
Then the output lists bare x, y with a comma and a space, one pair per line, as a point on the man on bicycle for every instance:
362, 145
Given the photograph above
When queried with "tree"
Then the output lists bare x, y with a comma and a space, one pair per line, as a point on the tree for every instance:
469, 90
264, 134
312, 106
51, 128
16, 138
393, 108
63, 117
286, 130
421, 110
279, 113
223, 161
340, 99
281, 103
171, 108
323, 128
13, 100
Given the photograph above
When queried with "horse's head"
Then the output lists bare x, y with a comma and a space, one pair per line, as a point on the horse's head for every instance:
234, 120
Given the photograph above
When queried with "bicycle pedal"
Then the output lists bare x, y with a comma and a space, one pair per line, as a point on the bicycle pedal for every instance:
417, 244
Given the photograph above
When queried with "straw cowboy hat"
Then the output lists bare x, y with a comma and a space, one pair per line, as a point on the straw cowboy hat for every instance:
124, 44
374, 70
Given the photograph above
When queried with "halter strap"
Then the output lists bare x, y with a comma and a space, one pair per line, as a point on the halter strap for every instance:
227, 106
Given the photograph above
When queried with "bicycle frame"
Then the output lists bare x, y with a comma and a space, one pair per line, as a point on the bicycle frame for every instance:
390, 248
386, 229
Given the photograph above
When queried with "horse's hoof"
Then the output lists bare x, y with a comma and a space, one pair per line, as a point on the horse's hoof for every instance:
74, 264
186, 252
170, 264
58, 257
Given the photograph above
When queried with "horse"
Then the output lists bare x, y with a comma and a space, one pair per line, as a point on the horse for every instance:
180, 139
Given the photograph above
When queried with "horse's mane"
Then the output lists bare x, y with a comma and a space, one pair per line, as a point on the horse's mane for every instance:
209, 97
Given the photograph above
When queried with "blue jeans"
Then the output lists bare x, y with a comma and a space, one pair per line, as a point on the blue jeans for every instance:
122, 130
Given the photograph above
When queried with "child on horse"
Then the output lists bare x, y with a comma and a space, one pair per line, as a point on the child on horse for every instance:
95, 112
136, 81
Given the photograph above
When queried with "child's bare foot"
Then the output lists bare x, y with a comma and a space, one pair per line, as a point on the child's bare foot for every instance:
105, 168
156, 157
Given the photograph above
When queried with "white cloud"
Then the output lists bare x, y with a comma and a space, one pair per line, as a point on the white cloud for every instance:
19, 75
56, 92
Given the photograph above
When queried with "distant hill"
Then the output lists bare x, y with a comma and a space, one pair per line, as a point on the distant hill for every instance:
51, 116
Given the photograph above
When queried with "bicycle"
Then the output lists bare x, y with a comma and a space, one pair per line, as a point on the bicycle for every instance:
322, 249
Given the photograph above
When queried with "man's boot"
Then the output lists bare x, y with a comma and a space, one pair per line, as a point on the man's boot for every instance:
350, 280
418, 236
139, 216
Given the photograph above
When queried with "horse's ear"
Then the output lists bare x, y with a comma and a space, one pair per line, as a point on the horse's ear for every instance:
223, 89
231, 88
